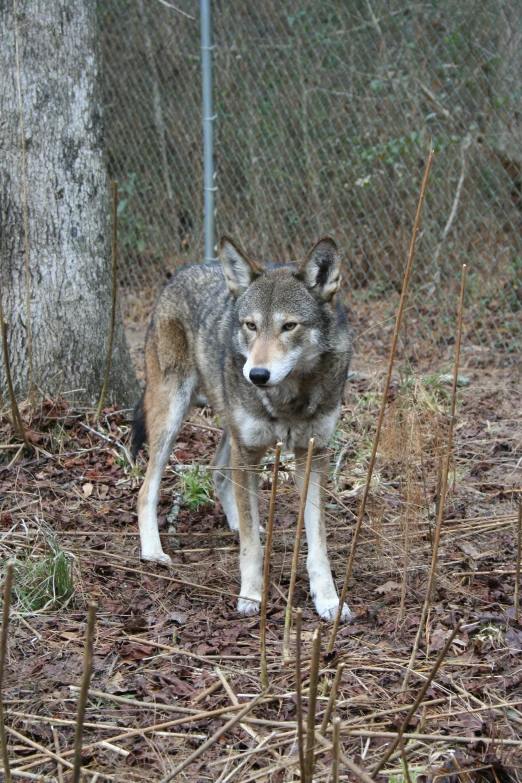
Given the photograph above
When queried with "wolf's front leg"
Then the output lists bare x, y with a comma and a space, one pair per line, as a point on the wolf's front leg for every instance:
250, 550
322, 586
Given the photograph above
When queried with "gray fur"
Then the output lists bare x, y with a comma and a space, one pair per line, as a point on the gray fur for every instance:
212, 327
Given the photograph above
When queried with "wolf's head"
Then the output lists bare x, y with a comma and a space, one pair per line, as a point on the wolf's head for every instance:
285, 316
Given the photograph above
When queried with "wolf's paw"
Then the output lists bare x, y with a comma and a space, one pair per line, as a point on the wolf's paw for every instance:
233, 524
328, 610
156, 557
247, 606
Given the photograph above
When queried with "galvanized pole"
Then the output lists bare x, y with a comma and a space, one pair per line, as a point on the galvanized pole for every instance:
208, 119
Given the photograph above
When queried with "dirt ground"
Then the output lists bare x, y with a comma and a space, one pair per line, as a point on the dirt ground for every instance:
173, 659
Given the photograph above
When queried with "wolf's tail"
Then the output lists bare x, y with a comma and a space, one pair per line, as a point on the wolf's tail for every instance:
139, 429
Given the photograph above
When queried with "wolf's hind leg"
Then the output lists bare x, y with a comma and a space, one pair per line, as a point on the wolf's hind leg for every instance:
322, 587
166, 405
223, 481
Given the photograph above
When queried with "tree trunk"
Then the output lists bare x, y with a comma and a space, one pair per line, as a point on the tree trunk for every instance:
69, 248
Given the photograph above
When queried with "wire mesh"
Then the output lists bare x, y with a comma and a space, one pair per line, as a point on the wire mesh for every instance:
325, 115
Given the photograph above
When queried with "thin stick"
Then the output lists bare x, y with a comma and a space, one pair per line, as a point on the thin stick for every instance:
299, 695
517, 568
113, 301
404, 760
312, 701
207, 692
57, 749
405, 563
15, 412
396, 332
3, 648
266, 568
213, 739
84, 691
41, 748
426, 684
332, 697
352, 766
293, 573
443, 488
336, 739
26, 218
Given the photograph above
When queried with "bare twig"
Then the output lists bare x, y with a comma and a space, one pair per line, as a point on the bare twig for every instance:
183, 13
336, 739
405, 563
266, 568
15, 412
352, 766
26, 218
235, 701
84, 691
369, 475
312, 700
299, 693
517, 568
112, 441
448, 739
57, 749
3, 649
293, 573
404, 760
465, 146
213, 739
426, 684
41, 748
114, 284
443, 488
208, 691
332, 697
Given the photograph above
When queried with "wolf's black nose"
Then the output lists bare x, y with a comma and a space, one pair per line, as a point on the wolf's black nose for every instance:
259, 375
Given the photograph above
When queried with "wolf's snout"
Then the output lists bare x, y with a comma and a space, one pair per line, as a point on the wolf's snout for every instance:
259, 375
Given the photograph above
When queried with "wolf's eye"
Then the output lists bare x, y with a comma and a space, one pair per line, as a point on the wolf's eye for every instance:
289, 326
251, 325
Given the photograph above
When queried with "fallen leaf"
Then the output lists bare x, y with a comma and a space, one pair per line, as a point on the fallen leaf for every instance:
87, 489
388, 587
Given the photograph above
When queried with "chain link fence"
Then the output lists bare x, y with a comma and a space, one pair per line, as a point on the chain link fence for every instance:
325, 115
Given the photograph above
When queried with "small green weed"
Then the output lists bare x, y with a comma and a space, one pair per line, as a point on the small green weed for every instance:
43, 584
196, 487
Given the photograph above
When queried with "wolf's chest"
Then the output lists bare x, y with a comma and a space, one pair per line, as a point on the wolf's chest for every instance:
257, 432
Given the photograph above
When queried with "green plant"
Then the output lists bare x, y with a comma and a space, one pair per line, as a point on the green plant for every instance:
42, 584
196, 487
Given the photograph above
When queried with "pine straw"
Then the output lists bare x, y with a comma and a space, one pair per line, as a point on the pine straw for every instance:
156, 694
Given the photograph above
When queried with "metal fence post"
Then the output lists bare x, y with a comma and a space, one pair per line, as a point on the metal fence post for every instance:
208, 119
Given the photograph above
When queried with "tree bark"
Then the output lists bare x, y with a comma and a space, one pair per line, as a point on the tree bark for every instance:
67, 203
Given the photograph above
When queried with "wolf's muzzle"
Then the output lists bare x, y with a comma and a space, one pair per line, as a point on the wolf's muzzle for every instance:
259, 375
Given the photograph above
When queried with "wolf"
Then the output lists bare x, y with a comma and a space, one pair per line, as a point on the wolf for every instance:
269, 348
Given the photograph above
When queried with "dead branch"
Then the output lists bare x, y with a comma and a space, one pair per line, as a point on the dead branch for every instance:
295, 558
84, 691
266, 567
443, 489
3, 649
369, 475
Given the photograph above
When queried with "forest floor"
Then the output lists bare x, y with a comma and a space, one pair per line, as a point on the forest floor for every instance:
173, 659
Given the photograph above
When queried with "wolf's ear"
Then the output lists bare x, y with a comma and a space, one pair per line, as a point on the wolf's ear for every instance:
321, 268
240, 270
